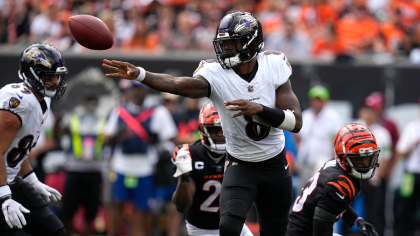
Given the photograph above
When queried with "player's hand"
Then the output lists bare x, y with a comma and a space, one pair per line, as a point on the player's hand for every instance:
47, 191
244, 106
12, 212
183, 162
366, 228
42, 189
123, 70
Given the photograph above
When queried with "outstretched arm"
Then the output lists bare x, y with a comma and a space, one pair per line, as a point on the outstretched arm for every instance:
196, 87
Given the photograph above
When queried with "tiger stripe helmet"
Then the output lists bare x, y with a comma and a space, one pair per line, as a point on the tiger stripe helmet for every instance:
209, 118
353, 143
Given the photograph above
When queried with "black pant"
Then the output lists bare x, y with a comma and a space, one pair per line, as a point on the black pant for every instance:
40, 220
82, 188
268, 183
407, 208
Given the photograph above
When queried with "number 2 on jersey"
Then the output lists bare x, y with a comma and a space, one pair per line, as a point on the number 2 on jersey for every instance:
255, 131
18, 153
205, 206
300, 200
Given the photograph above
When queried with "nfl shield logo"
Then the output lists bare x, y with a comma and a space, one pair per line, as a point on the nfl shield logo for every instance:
250, 88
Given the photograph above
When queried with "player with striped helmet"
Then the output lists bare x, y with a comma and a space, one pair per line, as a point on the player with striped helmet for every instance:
327, 196
199, 168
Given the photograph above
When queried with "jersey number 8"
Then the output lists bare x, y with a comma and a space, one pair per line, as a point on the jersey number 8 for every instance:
254, 130
18, 153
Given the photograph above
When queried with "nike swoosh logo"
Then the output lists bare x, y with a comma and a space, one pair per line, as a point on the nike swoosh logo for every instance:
341, 196
286, 166
19, 96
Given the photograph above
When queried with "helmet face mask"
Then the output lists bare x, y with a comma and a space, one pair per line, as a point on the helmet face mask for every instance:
362, 166
210, 129
238, 39
356, 151
38, 63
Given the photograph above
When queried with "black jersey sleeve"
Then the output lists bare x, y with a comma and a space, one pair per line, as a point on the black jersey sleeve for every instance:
323, 222
350, 216
341, 189
327, 211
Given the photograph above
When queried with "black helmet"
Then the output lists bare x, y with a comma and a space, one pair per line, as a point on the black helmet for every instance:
242, 30
42, 59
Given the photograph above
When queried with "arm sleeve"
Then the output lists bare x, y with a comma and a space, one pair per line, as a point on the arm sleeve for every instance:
323, 222
273, 116
327, 212
350, 216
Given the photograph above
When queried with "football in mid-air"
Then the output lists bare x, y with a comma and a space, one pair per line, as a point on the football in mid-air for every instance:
91, 32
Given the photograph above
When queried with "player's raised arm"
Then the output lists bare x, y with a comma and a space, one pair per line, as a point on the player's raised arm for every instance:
196, 87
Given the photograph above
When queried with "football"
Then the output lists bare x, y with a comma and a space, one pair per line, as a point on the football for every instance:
91, 32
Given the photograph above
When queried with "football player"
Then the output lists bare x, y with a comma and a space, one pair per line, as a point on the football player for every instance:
253, 95
200, 170
24, 109
329, 193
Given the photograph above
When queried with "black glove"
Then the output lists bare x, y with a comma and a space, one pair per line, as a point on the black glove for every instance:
365, 227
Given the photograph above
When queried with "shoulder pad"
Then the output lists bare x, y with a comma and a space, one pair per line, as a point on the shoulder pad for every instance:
202, 62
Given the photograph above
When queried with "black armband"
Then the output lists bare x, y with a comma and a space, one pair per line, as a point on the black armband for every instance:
350, 216
185, 178
274, 117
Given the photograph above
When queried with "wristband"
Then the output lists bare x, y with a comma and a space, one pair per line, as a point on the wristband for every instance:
358, 218
31, 178
5, 191
185, 178
142, 75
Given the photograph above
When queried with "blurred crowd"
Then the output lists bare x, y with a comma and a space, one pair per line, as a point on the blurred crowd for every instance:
321, 29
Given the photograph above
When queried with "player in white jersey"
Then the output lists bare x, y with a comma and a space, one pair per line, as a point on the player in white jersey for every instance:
23, 111
253, 95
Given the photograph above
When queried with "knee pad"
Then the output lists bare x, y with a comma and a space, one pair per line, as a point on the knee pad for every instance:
230, 225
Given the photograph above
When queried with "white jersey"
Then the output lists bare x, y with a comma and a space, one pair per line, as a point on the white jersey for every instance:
245, 139
18, 99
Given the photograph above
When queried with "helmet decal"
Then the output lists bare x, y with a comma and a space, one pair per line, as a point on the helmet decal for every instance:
38, 61
239, 38
246, 22
38, 57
